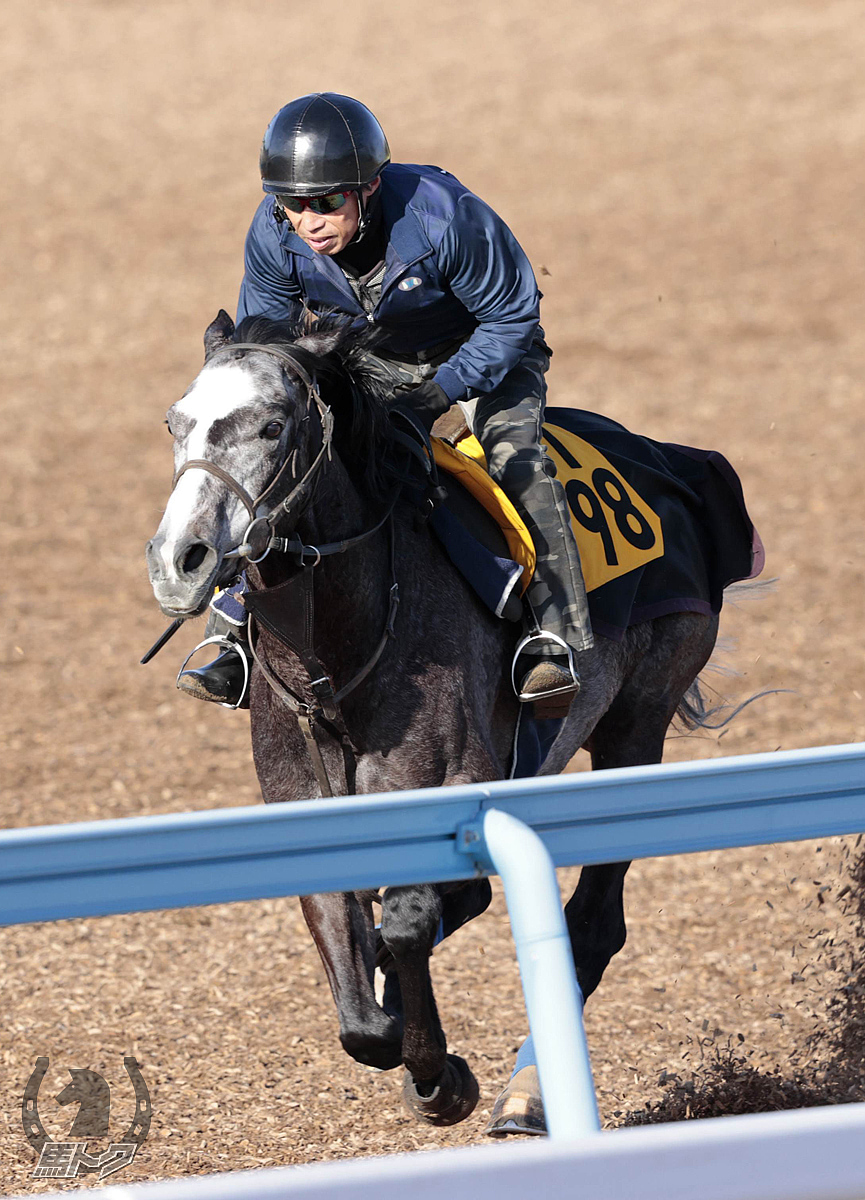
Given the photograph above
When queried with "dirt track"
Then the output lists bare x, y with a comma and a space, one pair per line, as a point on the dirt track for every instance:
688, 182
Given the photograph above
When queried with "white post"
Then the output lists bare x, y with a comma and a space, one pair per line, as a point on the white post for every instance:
553, 1000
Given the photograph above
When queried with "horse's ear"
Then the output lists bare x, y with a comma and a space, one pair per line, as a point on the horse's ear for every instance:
218, 333
323, 342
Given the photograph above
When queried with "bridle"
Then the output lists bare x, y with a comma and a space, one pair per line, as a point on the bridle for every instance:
293, 623
301, 493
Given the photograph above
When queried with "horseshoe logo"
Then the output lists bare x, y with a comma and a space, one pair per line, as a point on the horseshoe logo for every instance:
33, 1127
35, 1130
140, 1126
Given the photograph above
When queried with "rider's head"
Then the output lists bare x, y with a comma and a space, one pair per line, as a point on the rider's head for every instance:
321, 158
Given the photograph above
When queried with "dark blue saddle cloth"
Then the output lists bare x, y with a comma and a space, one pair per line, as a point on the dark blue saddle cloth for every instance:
661, 528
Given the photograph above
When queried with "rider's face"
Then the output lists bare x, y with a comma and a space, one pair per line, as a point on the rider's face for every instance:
329, 233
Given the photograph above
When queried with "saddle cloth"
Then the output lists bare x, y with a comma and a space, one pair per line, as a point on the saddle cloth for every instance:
661, 528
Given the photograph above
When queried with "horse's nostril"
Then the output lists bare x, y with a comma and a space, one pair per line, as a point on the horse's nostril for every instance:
195, 556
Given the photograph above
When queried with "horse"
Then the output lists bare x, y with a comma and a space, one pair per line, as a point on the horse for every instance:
411, 697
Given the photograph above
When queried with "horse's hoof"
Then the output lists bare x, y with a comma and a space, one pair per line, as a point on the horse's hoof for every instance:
453, 1098
519, 1108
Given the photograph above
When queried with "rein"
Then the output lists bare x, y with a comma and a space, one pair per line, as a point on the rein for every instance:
294, 625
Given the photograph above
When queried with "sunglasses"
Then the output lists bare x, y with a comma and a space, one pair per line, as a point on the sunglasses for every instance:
319, 204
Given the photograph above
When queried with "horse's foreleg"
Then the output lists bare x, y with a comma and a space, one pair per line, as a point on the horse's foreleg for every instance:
409, 921
595, 916
342, 927
438, 1087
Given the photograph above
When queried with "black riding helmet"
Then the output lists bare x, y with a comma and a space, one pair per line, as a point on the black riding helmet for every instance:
322, 143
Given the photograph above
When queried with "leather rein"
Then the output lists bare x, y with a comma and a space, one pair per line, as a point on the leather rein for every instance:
296, 629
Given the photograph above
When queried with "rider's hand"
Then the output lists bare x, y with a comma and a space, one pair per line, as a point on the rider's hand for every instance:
426, 400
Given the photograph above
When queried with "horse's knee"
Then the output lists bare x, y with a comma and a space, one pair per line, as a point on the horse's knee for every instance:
409, 920
376, 1043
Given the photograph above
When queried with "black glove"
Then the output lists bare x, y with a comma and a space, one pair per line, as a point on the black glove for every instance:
426, 400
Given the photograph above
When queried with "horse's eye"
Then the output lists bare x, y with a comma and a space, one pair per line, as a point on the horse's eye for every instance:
272, 430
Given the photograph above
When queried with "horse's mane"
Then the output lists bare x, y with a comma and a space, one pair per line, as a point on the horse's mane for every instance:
333, 350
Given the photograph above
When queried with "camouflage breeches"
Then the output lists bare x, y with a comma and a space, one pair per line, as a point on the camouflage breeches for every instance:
507, 422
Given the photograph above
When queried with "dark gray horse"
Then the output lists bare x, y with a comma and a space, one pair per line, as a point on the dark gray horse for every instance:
437, 708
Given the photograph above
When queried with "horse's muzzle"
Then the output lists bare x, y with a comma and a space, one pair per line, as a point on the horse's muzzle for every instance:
182, 575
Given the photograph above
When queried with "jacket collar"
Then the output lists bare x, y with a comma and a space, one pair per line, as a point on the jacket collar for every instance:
406, 236
322, 263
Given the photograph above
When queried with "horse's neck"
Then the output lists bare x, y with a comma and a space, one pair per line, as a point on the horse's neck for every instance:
443, 669
352, 588
336, 510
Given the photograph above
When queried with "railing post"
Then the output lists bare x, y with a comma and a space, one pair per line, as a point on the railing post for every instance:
553, 1000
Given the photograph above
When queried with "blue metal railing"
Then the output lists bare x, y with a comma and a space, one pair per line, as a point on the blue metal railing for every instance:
138, 863
521, 829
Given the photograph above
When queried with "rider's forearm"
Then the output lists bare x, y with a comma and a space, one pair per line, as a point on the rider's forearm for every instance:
487, 271
483, 361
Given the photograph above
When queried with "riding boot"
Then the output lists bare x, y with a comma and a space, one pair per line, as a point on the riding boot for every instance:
225, 680
508, 422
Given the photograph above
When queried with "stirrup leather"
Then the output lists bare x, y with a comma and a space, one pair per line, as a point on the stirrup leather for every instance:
545, 638
220, 639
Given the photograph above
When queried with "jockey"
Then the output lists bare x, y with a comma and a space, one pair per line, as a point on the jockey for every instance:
419, 256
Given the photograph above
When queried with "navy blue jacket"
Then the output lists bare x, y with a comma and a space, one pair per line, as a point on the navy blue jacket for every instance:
453, 270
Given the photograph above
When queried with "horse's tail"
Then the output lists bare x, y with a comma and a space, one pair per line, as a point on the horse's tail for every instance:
695, 711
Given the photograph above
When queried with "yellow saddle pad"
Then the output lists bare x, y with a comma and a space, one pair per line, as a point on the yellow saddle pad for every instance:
467, 465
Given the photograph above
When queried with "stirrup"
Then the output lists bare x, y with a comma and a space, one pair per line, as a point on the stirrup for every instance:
220, 639
545, 637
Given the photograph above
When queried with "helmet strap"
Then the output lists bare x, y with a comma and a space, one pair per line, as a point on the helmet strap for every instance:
367, 212
362, 216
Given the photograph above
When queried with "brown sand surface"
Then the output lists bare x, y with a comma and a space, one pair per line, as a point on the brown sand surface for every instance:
687, 180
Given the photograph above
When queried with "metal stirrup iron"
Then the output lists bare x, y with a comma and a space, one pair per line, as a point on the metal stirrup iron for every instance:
544, 637
220, 639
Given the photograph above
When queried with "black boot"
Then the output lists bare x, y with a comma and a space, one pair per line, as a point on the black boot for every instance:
224, 681
548, 675
550, 685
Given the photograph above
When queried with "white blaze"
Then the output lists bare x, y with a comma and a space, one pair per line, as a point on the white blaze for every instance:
218, 392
